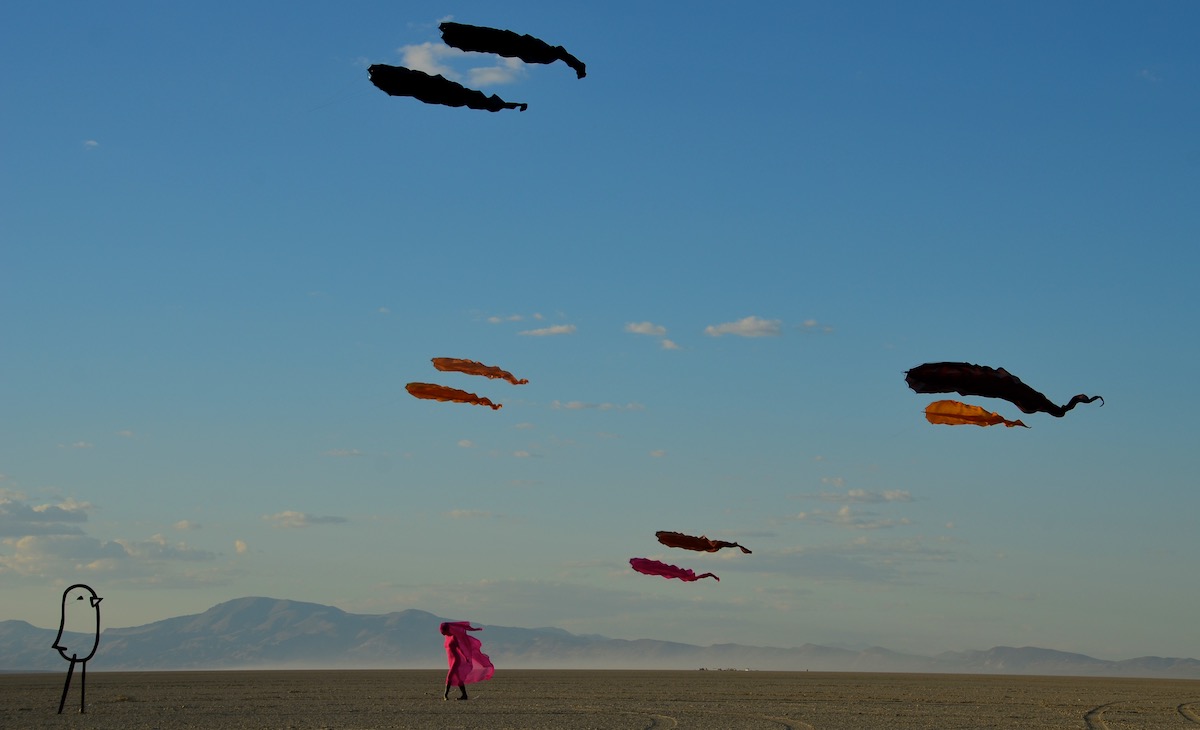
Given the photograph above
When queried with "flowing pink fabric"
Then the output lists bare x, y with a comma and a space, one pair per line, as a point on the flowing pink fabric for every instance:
653, 567
464, 654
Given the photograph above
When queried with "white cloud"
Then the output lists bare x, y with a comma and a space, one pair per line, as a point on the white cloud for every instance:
240, 547
78, 445
558, 329
669, 344
291, 518
428, 57
845, 517
522, 454
812, 325
507, 71
646, 328
497, 319
863, 496
746, 327
157, 548
50, 554
19, 519
658, 453
90, 144
466, 443
186, 525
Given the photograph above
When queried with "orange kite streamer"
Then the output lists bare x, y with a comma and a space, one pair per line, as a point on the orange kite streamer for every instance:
470, 367
430, 391
687, 542
953, 413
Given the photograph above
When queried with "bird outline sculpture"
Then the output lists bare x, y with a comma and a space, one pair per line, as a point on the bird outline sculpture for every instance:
80, 623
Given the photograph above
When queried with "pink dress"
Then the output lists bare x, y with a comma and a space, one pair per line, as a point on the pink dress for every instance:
464, 654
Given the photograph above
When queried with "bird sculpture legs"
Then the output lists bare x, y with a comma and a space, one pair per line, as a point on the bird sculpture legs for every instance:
82, 686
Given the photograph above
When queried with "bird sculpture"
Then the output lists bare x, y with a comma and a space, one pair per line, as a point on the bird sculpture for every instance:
78, 636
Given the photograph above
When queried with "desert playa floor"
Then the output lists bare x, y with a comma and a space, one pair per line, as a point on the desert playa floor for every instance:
598, 700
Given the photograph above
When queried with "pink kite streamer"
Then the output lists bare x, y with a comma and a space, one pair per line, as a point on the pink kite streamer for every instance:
653, 567
464, 653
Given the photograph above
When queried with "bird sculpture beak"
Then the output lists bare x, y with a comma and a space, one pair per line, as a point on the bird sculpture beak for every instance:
96, 601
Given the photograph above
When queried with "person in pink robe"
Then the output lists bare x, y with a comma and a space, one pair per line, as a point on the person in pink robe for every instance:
464, 654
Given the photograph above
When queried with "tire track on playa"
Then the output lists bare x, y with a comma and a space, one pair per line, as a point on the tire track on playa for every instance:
787, 722
1094, 718
666, 721
1189, 712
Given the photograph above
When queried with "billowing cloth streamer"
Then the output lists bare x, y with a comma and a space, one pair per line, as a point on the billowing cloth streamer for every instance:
954, 413
967, 379
688, 542
432, 391
464, 654
435, 89
654, 567
507, 43
470, 367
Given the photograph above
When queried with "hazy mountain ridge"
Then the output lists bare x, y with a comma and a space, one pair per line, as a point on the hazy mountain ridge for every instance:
274, 633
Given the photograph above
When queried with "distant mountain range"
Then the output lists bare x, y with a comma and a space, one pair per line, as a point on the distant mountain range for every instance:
268, 633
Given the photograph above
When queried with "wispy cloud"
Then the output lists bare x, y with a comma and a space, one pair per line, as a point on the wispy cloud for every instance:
862, 496
557, 329
576, 405
845, 517
240, 547
501, 318
18, 518
291, 518
812, 325
159, 548
429, 57
746, 327
652, 330
467, 514
646, 328
90, 144
184, 525
507, 71
344, 453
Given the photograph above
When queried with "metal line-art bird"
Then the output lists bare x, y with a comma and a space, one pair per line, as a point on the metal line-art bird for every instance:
80, 619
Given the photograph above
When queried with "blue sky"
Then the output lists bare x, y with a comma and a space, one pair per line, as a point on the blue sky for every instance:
225, 253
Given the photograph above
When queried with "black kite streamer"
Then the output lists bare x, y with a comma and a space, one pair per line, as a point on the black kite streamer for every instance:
434, 89
507, 43
688, 542
654, 567
967, 379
